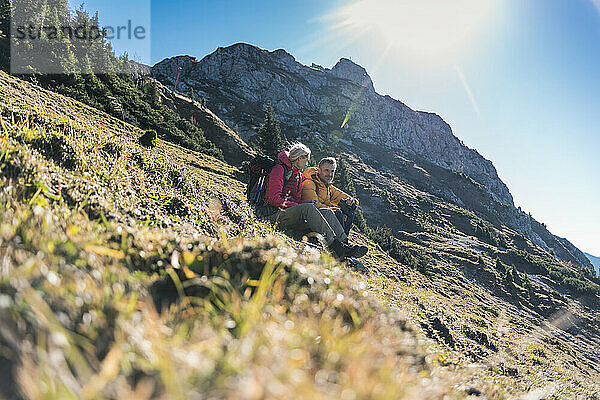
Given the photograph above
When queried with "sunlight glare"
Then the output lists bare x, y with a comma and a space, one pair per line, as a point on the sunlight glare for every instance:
418, 28
596, 4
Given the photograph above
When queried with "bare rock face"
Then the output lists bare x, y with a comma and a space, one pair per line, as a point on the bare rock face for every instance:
239, 80
348, 70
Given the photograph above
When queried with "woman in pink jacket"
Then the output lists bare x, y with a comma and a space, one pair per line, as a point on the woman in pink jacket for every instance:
284, 189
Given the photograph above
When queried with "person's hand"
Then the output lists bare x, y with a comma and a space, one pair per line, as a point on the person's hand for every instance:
350, 201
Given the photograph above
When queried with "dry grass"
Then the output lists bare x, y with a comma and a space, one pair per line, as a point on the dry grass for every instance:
138, 273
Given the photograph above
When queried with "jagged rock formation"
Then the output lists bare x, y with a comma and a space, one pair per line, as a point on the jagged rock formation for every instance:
340, 106
348, 70
318, 99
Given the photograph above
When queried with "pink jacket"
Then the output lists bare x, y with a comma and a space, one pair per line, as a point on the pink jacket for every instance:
284, 196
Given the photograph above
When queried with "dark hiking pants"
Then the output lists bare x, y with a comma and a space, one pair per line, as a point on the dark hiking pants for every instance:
345, 215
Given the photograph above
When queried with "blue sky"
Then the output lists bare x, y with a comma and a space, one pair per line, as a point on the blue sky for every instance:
517, 80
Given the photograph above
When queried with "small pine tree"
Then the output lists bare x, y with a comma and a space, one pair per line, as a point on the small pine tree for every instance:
342, 178
269, 133
516, 276
530, 289
500, 267
360, 222
190, 93
151, 93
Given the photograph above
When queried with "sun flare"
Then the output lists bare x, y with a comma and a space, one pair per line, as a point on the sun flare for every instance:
418, 28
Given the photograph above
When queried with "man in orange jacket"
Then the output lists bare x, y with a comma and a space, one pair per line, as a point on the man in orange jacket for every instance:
318, 188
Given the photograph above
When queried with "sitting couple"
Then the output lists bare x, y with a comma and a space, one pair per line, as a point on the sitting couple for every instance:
304, 203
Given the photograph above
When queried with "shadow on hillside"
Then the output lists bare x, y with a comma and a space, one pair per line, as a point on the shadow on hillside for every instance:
164, 291
8, 390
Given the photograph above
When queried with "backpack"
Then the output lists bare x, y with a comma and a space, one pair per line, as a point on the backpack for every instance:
259, 169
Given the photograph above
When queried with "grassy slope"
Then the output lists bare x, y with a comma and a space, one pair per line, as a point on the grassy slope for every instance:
499, 316
92, 237
92, 227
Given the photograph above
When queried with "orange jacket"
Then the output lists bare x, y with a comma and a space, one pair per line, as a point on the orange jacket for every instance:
326, 195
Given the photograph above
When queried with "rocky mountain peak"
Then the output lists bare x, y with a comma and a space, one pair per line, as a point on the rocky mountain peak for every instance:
239, 49
183, 61
238, 80
283, 56
173, 64
346, 69
253, 54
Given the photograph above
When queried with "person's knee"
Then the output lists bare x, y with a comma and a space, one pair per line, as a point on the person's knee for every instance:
308, 209
327, 212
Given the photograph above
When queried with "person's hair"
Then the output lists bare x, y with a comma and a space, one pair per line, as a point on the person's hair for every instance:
328, 160
298, 150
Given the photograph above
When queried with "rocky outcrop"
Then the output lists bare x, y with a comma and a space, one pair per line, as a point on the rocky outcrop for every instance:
239, 80
346, 69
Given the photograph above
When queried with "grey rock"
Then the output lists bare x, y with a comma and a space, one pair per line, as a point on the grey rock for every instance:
305, 98
348, 70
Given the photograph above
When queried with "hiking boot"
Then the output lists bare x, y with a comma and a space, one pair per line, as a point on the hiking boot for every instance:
339, 249
356, 251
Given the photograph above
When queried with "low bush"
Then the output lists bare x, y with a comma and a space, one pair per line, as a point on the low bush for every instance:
148, 139
384, 238
570, 276
177, 207
113, 148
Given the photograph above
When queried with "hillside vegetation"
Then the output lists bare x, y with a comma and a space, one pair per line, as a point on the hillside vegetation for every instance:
137, 271
132, 271
93, 74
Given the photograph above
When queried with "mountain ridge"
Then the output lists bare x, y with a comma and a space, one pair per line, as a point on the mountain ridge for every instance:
225, 65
